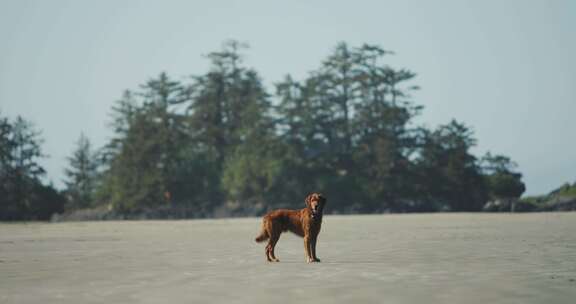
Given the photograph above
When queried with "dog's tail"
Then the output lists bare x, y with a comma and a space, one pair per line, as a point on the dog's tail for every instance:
262, 236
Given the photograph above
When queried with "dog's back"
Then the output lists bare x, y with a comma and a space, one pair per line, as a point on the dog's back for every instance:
280, 220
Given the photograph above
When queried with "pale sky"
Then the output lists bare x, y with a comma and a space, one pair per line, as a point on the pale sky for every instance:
505, 68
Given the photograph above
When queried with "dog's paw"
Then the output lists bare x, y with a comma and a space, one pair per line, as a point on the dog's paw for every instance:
311, 260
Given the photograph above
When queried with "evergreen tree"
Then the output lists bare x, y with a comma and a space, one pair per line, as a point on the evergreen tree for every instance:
347, 123
81, 175
451, 173
145, 154
22, 195
347, 130
230, 120
385, 141
501, 178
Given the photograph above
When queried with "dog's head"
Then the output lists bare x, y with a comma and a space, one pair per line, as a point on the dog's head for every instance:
315, 202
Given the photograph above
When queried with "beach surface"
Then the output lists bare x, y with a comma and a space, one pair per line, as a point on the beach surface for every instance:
411, 258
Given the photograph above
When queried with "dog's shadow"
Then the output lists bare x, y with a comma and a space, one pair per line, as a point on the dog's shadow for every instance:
331, 262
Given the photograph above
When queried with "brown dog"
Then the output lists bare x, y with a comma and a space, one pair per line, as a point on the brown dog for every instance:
304, 222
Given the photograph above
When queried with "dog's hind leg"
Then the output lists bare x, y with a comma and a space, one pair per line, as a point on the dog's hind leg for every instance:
268, 249
272, 243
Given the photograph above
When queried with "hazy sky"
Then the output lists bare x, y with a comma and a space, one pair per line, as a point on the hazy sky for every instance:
506, 68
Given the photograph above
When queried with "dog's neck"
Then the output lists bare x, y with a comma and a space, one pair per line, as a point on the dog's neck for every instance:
315, 217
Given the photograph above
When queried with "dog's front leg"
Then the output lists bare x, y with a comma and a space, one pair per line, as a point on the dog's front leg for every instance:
313, 241
308, 249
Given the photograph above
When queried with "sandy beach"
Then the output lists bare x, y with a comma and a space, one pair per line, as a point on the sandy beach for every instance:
416, 258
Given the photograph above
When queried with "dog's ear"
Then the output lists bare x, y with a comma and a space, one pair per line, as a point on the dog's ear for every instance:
322, 200
308, 200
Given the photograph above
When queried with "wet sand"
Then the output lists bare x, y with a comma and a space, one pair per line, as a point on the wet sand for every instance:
419, 258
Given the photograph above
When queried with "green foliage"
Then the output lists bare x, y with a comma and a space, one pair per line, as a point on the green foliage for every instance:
503, 182
22, 195
347, 130
451, 173
145, 155
347, 125
505, 185
565, 190
562, 198
221, 144
252, 171
81, 175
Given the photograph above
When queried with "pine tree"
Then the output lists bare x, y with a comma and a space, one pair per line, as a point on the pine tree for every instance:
22, 195
451, 173
385, 142
231, 124
81, 175
145, 154
501, 178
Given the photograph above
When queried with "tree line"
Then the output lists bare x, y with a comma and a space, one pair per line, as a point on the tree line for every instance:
222, 144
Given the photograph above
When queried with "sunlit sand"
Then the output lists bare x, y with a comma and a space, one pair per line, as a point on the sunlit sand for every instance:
420, 258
